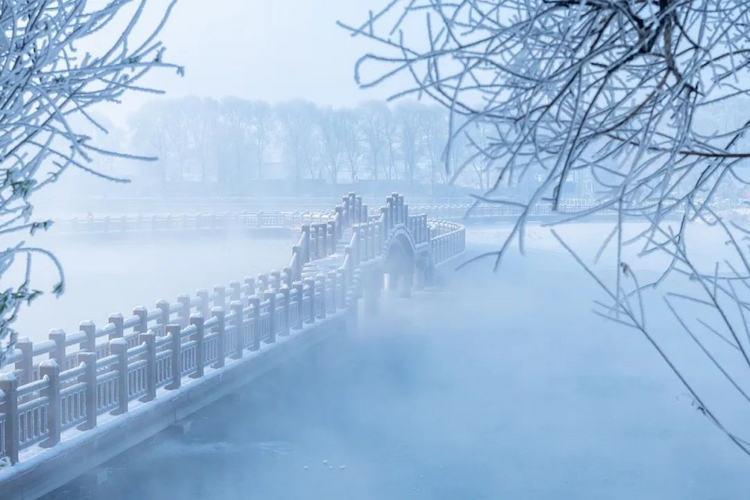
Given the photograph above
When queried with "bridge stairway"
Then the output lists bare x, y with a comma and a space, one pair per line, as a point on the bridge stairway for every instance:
331, 262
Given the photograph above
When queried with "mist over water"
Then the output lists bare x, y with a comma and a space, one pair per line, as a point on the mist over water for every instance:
490, 386
115, 273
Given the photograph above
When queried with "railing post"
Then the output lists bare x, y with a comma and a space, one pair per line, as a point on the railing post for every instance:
288, 276
163, 320
221, 295
9, 386
297, 271
255, 303
142, 314
262, 282
51, 370
220, 315
313, 242
284, 290
323, 290
89, 329
323, 228
306, 243
276, 275
26, 364
356, 249
119, 348
250, 283
333, 277
310, 282
58, 337
198, 321
116, 320
183, 314
239, 341
175, 331
353, 207
89, 378
340, 217
204, 307
300, 287
271, 297
332, 236
345, 211
389, 212
149, 338
236, 293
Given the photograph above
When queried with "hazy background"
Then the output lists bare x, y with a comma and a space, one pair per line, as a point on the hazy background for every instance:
268, 50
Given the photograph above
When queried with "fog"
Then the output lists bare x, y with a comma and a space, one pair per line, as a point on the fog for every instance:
493, 383
488, 386
115, 273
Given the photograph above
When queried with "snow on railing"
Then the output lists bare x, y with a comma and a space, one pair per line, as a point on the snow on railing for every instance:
71, 380
170, 223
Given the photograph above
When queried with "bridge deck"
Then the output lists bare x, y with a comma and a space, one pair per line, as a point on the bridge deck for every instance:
77, 400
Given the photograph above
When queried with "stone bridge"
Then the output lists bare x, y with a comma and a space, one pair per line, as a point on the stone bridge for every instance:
79, 399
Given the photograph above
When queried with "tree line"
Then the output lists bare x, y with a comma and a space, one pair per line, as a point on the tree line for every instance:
233, 142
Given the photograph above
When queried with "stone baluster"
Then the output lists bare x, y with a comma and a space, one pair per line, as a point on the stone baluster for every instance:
119, 347
175, 332
219, 314
197, 320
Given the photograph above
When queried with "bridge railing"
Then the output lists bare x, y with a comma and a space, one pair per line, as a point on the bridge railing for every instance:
203, 221
73, 380
448, 240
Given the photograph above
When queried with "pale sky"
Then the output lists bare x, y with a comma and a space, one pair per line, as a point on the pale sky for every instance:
264, 49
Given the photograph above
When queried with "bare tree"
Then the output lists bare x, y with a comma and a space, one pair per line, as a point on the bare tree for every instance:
264, 125
408, 116
374, 121
620, 90
297, 121
332, 124
234, 142
433, 136
352, 142
48, 84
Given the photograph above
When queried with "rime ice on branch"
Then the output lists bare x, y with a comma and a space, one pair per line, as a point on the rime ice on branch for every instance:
643, 100
49, 82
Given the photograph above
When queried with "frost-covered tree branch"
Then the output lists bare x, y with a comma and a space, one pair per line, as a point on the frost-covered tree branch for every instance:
48, 83
643, 98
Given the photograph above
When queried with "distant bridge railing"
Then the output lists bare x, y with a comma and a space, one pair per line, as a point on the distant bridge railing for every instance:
58, 390
170, 223
297, 219
265, 220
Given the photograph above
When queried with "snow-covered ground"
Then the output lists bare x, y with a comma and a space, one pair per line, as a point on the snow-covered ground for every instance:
492, 386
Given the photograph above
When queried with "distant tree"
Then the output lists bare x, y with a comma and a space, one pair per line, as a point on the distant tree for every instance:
408, 115
297, 125
332, 124
434, 137
623, 91
200, 117
150, 136
263, 129
48, 85
234, 143
374, 120
352, 142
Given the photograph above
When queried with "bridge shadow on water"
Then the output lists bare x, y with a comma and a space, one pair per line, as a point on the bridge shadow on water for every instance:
490, 387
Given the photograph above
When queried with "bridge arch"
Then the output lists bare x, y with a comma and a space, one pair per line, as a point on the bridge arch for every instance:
400, 261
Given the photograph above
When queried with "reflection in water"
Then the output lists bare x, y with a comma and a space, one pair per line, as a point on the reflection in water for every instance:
494, 387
